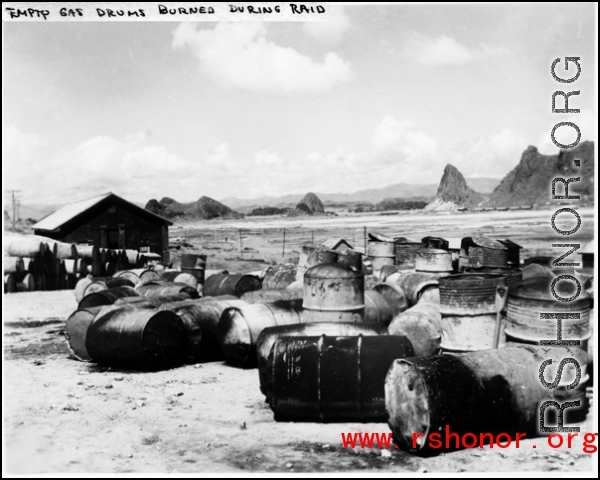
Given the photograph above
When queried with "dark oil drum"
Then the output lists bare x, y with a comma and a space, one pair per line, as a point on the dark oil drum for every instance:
332, 379
230, 284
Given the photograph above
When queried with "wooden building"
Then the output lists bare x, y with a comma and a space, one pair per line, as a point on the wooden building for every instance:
108, 221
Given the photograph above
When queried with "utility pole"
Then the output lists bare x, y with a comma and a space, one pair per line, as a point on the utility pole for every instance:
15, 199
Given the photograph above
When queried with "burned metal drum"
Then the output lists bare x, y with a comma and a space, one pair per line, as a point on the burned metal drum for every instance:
531, 298
201, 319
381, 254
350, 258
312, 255
487, 257
230, 284
332, 379
470, 294
406, 252
239, 328
179, 276
192, 260
415, 284
333, 293
102, 283
137, 338
436, 242
293, 298
487, 392
76, 329
383, 302
422, 325
107, 297
160, 288
269, 335
433, 260
280, 276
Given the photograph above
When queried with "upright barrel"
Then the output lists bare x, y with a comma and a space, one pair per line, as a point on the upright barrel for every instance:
195, 265
230, 284
312, 255
350, 258
406, 252
332, 379
137, 338
333, 293
381, 254
239, 328
267, 338
433, 260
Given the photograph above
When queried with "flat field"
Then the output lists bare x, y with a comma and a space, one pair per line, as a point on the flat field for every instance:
61, 415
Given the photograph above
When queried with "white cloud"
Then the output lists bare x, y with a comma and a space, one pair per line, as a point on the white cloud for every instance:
237, 54
331, 30
444, 51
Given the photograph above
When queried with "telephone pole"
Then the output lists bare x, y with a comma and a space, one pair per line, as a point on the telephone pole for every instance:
15, 204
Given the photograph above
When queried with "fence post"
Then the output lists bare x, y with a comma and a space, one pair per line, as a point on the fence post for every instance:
283, 251
365, 236
241, 245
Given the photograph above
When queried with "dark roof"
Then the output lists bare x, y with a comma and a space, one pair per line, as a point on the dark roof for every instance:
73, 210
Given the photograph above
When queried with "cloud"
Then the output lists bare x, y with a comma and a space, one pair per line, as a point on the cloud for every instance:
445, 51
331, 30
238, 55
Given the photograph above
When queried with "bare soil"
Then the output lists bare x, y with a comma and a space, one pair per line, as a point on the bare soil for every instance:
62, 415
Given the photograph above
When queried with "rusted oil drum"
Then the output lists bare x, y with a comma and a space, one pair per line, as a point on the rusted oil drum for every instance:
203, 316
350, 258
284, 297
332, 379
138, 274
406, 252
487, 257
470, 294
210, 273
230, 284
76, 330
179, 276
137, 338
86, 285
193, 260
279, 277
383, 302
333, 293
422, 325
416, 284
532, 297
267, 338
433, 260
239, 328
381, 254
513, 257
160, 288
492, 391
189, 301
107, 297
312, 255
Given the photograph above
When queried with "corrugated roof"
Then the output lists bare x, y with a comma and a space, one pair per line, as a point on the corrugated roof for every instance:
70, 211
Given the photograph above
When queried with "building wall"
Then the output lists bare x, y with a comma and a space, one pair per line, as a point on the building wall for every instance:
114, 226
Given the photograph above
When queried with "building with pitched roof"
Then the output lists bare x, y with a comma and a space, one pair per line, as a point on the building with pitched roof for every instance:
108, 221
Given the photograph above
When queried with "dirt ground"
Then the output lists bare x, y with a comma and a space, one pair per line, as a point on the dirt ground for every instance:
61, 415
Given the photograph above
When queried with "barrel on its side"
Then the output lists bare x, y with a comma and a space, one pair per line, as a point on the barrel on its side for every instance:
267, 338
135, 302
416, 284
178, 276
239, 328
76, 330
230, 284
104, 283
157, 288
201, 319
14, 265
422, 325
25, 248
107, 297
332, 379
383, 302
27, 284
490, 391
293, 298
137, 338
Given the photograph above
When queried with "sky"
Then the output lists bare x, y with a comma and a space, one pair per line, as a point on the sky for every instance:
376, 95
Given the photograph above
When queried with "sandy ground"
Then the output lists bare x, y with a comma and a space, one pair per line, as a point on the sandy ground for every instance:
61, 415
